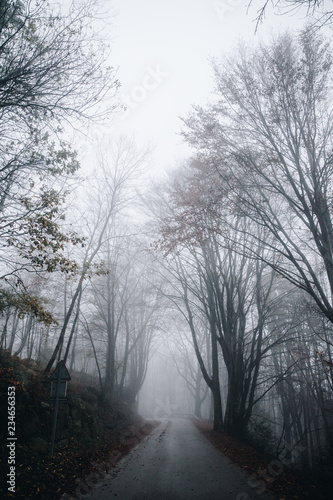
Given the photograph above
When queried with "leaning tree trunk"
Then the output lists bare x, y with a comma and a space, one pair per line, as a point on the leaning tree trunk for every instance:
60, 342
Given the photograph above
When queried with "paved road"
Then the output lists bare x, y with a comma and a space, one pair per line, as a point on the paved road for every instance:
176, 462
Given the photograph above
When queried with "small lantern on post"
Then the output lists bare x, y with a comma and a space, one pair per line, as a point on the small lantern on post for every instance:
59, 380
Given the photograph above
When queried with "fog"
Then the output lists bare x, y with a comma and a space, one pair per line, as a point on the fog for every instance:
166, 211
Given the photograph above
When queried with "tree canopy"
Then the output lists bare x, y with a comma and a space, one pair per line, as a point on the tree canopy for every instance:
54, 70
267, 141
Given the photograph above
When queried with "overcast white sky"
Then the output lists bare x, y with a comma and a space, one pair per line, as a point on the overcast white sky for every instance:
162, 50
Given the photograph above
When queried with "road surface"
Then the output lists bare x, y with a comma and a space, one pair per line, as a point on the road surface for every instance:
176, 462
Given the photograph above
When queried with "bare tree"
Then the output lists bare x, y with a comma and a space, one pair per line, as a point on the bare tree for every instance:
183, 356
222, 288
54, 70
316, 8
269, 138
109, 194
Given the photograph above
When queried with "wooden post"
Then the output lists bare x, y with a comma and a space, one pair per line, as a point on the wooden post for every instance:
59, 377
55, 416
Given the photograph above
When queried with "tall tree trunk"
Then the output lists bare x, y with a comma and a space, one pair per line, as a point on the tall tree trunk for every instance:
218, 415
74, 325
58, 347
27, 329
198, 400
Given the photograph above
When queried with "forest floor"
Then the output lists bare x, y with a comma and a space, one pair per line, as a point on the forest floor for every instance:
80, 460
78, 456
266, 474
90, 468
72, 467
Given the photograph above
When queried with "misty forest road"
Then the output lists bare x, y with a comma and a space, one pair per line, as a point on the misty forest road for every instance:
176, 462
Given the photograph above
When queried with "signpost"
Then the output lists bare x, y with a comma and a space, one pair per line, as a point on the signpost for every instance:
59, 380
